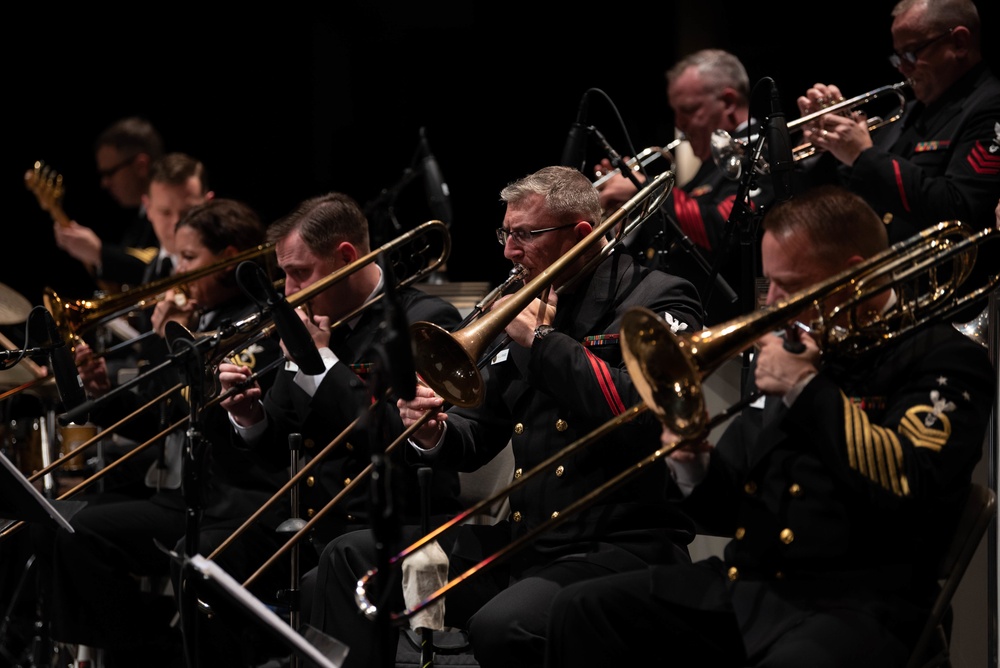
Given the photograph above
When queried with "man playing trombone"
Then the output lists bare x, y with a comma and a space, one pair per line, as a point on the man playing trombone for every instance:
840, 488
324, 241
560, 375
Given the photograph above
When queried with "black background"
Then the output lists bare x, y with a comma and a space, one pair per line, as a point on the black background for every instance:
283, 105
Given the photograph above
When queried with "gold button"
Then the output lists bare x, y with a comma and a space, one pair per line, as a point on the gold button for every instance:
349, 446
347, 481
555, 514
310, 512
779, 575
740, 533
733, 574
517, 472
516, 516
349, 518
887, 218
750, 487
519, 428
309, 443
561, 425
310, 481
560, 470
795, 489
787, 536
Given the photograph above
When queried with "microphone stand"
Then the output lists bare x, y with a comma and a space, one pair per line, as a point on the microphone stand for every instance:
684, 240
743, 219
194, 457
384, 521
292, 525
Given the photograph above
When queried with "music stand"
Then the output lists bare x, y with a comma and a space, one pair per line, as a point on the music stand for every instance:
315, 647
19, 500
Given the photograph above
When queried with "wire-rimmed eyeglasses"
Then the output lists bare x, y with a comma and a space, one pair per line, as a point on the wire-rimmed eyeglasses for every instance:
523, 236
911, 56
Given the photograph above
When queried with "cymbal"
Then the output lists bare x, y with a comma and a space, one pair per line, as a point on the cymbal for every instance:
13, 307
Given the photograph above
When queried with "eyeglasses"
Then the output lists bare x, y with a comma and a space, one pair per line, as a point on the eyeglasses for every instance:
911, 56
523, 236
114, 169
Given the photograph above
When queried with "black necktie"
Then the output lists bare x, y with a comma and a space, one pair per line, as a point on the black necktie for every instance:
166, 265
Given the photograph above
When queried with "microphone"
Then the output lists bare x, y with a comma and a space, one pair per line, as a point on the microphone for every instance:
438, 194
575, 150
63, 367
292, 332
396, 338
779, 149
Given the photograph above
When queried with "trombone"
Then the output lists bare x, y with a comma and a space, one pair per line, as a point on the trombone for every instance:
448, 361
410, 254
435, 343
74, 318
420, 239
668, 369
728, 153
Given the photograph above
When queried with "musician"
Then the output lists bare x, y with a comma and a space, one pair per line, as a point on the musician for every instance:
708, 90
95, 599
178, 182
124, 153
840, 489
559, 378
325, 234
941, 160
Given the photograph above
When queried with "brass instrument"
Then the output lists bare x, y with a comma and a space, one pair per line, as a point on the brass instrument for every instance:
74, 318
448, 362
415, 264
668, 369
256, 326
728, 153
408, 253
645, 157
657, 190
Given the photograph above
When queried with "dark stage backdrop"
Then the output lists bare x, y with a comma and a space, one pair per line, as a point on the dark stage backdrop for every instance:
285, 105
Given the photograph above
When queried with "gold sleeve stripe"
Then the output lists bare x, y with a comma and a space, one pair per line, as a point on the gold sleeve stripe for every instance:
873, 451
146, 255
914, 428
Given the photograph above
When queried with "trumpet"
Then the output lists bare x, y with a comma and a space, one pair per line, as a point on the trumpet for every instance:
728, 153
669, 369
644, 158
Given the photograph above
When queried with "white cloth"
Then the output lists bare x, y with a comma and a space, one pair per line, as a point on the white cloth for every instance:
424, 572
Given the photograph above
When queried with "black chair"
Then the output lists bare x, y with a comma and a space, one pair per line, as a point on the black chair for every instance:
932, 649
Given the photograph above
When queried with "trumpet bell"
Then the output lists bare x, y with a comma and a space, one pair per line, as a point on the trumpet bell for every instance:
728, 154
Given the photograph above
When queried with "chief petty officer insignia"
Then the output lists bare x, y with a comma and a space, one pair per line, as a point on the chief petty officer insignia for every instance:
928, 426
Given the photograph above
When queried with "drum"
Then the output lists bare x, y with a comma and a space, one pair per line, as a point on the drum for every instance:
22, 443
72, 436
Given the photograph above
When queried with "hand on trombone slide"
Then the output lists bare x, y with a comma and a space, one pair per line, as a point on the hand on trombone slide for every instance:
244, 404
427, 406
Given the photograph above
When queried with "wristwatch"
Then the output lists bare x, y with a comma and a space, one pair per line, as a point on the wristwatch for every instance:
542, 331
